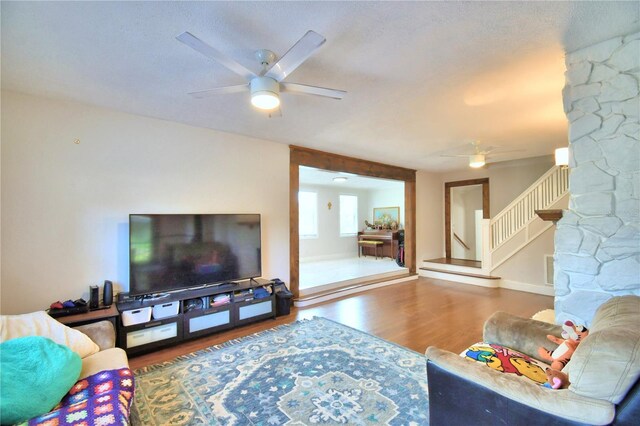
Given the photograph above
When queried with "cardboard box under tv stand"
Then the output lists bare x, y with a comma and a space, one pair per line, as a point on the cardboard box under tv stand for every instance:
193, 319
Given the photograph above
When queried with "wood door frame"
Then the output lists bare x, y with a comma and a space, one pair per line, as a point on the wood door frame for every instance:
486, 214
300, 156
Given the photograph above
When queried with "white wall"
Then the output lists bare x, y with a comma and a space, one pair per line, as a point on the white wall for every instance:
465, 200
429, 216
387, 198
507, 179
458, 223
329, 243
65, 206
504, 179
528, 265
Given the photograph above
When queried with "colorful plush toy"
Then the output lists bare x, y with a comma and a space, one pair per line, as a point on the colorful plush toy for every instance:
556, 379
571, 336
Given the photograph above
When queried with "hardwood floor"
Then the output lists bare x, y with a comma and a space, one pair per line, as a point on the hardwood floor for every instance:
415, 314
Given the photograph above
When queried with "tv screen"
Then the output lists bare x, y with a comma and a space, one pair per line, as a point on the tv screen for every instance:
176, 251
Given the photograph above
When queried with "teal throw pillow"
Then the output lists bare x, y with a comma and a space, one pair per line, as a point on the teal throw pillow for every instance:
35, 373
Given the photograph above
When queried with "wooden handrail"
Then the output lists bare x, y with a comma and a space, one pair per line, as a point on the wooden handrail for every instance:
458, 239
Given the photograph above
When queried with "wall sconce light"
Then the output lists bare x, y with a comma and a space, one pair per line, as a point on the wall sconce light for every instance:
562, 157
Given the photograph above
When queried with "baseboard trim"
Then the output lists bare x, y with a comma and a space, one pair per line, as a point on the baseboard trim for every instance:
543, 289
313, 300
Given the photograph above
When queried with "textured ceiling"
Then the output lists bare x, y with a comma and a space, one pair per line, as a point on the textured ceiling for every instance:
422, 77
313, 176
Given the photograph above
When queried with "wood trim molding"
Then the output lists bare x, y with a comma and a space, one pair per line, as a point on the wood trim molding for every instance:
340, 163
552, 215
486, 206
410, 225
294, 239
300, 156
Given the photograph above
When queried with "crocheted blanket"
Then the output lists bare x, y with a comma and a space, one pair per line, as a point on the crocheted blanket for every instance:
101, 399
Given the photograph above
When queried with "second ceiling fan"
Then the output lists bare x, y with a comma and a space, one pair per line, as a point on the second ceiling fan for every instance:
266, 86
478, 154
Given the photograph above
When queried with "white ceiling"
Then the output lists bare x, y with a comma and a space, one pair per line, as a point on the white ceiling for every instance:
422, 77
313, 176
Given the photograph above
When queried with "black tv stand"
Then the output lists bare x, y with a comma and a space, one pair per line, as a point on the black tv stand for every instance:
199, 313
155, 297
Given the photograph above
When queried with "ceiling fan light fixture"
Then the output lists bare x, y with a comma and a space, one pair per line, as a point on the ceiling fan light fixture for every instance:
476, 161
265, 93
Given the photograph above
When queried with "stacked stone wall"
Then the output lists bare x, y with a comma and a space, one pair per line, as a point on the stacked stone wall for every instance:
597, 254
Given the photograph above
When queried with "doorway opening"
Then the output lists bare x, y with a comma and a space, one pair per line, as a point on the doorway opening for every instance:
336, 248
466, 204
300, 156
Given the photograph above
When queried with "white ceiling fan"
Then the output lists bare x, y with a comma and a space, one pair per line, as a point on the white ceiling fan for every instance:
266, 86
478, 154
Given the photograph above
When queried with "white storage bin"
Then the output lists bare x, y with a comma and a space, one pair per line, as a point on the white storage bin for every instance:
165, 310
136, 316
153, 334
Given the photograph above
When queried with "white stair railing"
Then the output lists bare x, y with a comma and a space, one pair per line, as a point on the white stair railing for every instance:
542, 194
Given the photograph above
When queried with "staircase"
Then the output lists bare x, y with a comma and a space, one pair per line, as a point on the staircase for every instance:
517, 224
508, 232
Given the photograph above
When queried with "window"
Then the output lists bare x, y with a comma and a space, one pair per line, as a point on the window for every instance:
308, 214
348, 215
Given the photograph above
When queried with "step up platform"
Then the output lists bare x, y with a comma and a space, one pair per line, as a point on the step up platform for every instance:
453, 270
334, 293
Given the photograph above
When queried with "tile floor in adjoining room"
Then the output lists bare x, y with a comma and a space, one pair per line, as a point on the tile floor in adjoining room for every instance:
314, 274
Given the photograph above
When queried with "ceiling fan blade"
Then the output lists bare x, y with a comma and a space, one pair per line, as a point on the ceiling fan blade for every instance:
212, 53
298, 53
220, 91
457, 155
312, 90
494, 152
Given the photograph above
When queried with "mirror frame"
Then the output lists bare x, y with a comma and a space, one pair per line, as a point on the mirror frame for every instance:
486, 214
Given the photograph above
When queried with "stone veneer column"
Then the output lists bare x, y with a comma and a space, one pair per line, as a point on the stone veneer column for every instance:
597, 241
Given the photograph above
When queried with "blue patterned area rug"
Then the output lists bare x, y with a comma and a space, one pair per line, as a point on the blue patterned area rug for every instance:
305, 373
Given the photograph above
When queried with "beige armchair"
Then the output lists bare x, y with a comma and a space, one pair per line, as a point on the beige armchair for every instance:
603, 372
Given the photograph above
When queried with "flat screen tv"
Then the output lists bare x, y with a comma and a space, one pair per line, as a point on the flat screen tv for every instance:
169, 252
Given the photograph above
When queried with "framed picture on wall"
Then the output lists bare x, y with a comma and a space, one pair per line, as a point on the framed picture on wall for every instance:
386, 215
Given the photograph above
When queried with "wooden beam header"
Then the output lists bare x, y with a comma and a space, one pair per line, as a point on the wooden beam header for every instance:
340, 163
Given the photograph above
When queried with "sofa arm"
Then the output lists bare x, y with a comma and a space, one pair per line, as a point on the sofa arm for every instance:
102, 333
109, 359
492, 391
522, 334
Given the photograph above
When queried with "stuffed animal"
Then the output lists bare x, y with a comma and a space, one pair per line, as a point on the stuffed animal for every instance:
556, 379
571, 336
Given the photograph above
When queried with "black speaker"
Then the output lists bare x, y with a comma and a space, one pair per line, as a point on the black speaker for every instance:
107, 293
94, 297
